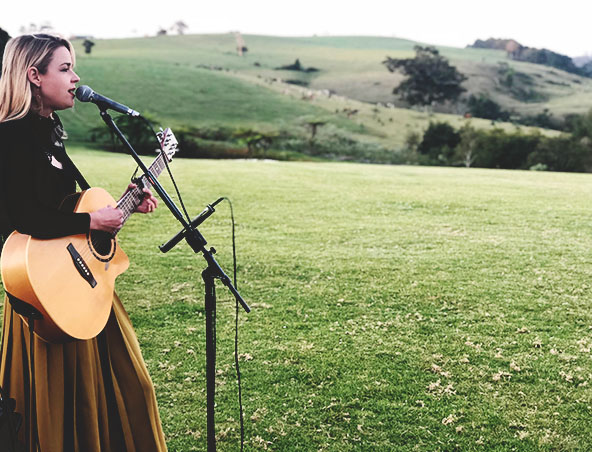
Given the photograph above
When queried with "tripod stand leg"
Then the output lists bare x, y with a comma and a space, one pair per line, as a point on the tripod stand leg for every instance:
210, 290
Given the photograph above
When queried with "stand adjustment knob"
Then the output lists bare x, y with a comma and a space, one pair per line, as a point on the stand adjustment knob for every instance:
213, 250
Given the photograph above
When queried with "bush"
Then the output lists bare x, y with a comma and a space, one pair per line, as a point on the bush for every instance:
544, 120
208, 143
560, 154
439, 143
442, 145
138, 133
483, 107
499, 149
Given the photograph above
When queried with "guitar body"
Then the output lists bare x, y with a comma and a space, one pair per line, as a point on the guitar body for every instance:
70, 280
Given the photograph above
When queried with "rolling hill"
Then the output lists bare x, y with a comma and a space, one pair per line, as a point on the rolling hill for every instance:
199, 81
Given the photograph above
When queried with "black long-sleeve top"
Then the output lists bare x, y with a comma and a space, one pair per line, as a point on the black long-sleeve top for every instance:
32, 186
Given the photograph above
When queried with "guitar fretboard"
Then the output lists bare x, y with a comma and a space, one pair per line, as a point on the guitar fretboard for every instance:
133, 198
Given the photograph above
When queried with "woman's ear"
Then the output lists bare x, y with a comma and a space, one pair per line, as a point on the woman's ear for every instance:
33, 76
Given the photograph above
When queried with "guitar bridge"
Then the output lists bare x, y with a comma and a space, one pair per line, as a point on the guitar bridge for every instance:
81, 266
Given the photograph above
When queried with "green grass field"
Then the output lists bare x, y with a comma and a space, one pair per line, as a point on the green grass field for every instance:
394, 308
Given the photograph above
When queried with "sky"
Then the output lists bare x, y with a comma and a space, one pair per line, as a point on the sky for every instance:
561, 26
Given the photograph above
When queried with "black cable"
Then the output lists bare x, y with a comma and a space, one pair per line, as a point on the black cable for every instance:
236, 362
238, 376
166, 162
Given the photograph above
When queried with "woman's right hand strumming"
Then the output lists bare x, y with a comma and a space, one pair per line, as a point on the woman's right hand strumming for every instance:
108, 219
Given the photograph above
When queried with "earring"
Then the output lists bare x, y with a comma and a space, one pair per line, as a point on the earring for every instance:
37, 102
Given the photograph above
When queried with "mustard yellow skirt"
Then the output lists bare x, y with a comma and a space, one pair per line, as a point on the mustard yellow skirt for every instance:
92, 396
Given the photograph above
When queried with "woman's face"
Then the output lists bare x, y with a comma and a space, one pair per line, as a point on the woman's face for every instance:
57, 85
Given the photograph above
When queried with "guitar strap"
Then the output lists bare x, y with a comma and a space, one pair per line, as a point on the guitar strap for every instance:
57, 137
71, 169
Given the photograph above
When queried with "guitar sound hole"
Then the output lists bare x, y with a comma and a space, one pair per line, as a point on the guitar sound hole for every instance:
102, 242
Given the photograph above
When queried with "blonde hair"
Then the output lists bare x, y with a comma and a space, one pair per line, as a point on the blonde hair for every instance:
21, 53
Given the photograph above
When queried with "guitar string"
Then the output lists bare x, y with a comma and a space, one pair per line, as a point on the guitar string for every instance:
128, 203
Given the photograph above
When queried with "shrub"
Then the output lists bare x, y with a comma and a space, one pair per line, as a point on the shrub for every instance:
499, 149
439, 143
138, 133
560, 154
483, 107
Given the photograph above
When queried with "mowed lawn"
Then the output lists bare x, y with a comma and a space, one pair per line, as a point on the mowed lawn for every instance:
394, 308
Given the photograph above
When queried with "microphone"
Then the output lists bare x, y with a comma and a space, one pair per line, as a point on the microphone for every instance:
85, 93
203, 216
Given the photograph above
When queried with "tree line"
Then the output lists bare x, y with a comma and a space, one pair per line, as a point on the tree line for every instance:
518, 52
442, 144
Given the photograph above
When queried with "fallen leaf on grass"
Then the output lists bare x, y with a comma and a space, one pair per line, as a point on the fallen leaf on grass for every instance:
451, 419
245, 357
501, 374
258, 414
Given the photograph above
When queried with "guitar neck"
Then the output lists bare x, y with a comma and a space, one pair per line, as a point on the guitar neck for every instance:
133, 198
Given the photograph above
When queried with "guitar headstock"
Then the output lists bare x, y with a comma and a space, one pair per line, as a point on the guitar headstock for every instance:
168, 143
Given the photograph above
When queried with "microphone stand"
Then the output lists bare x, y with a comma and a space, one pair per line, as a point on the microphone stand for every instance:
213, 271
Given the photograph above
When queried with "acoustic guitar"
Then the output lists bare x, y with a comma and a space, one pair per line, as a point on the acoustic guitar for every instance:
70, 280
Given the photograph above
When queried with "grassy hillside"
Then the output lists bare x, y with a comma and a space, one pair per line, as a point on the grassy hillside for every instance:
352, 67
394, 308
199, 80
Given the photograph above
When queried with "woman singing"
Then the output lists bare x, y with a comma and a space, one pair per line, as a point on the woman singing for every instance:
95, 395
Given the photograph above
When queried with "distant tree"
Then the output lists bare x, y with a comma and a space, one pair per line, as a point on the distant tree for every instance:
241, 48
314, 125
88, 45
567, 152
296, 66
518, 52
43, 27
161, 32
467, 148
255, 140
439, 143
430, 78
587, 69
543, 119
46, 27
292, 67
412, 140
506, 150
581, 127
31, 28
561, 153
4, 37
138, 133
482, 106
512, 48
180, 27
